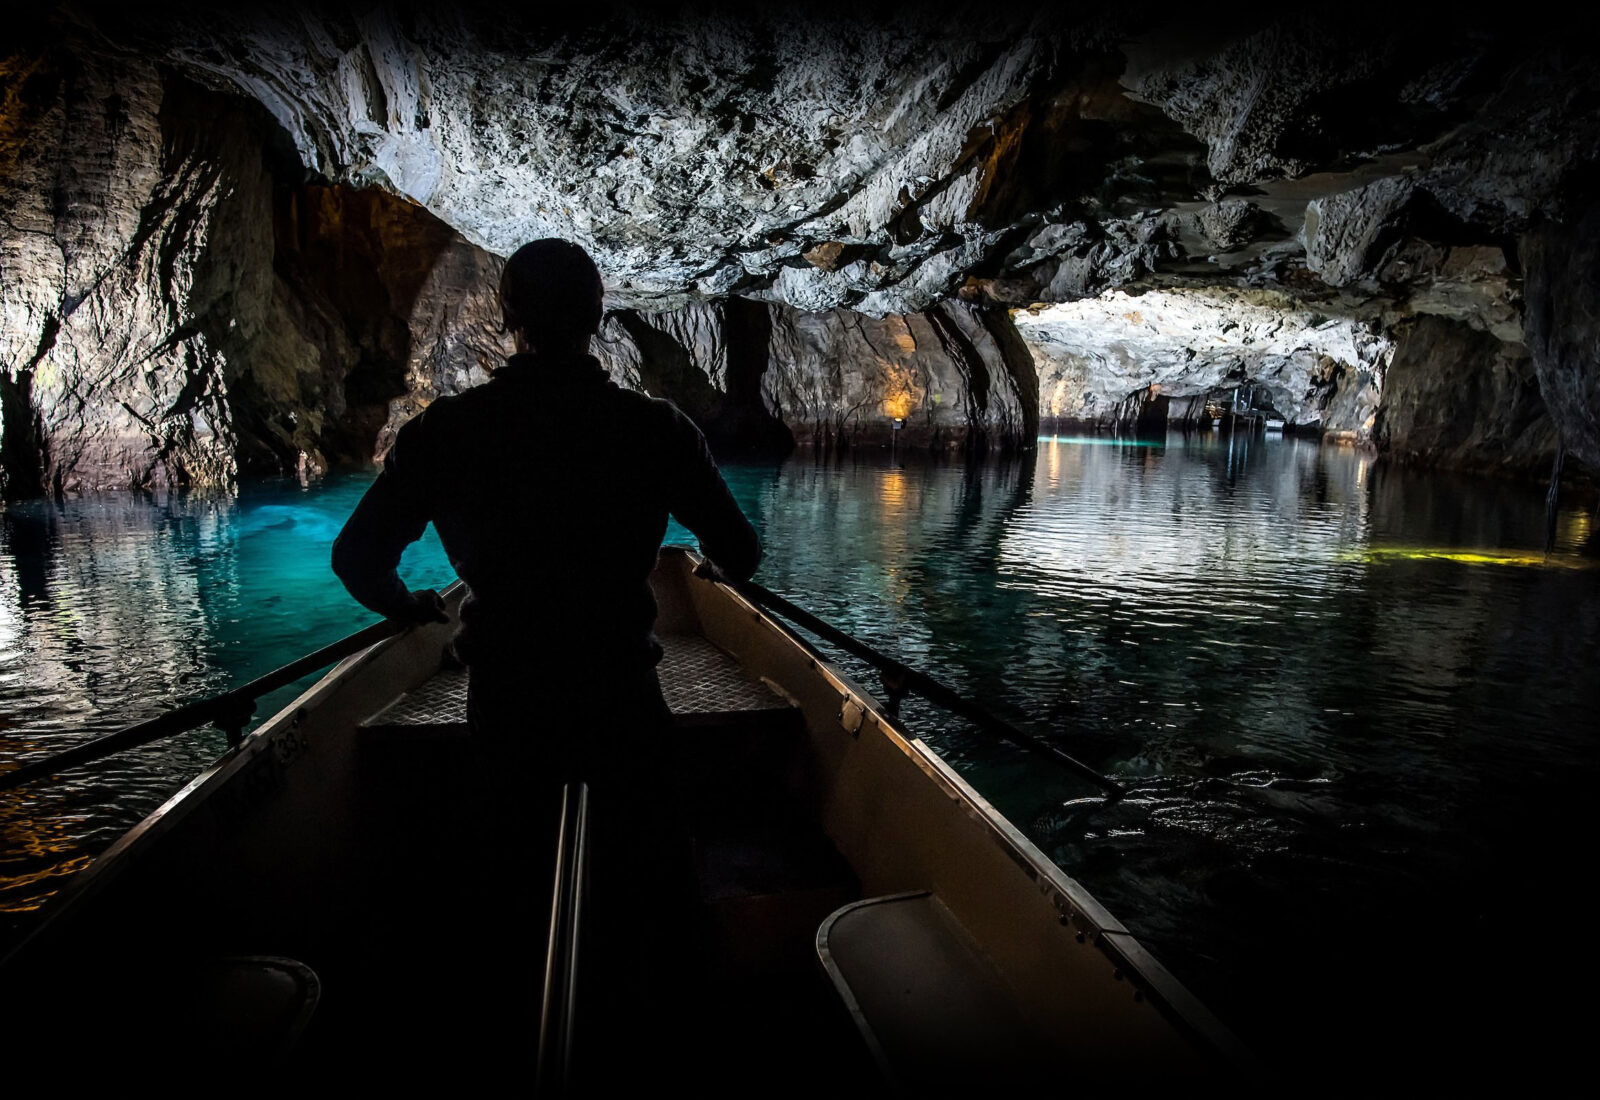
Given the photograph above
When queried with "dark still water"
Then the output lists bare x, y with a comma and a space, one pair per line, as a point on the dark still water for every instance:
1355, 707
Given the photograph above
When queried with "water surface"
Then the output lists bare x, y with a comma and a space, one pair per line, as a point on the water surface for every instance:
1354, 706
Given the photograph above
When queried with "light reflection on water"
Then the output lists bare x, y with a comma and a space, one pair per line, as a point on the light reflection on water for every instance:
116, 608
1334, 703
1334, 743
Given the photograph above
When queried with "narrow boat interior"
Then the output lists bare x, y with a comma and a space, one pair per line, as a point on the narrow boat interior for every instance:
344, 893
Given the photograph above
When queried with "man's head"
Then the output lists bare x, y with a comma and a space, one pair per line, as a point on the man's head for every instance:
550, 293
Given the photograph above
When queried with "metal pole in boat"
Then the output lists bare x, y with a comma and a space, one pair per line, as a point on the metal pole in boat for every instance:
556, 1021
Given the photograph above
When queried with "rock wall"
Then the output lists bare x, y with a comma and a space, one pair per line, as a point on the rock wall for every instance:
250, 240
1458, 397
1563, 327
842, 379
384, 307
761, 379
175, 314
180, 308
1102, 360
131, 272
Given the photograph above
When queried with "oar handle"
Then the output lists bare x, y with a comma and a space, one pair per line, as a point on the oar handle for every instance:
226, 707
919, 682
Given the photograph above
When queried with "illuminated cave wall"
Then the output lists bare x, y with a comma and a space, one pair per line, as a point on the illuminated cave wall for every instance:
257, 240
180, 308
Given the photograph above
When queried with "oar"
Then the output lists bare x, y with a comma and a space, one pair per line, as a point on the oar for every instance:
231, 710
899, 679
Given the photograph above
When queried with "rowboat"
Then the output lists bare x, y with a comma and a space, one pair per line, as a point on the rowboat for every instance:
335, 893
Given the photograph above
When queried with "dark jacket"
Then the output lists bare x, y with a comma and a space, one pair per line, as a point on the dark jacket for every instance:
550, 489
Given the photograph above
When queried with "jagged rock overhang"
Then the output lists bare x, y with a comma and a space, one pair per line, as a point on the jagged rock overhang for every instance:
1103, 158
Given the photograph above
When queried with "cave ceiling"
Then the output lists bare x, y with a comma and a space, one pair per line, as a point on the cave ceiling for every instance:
250, 238
823, 158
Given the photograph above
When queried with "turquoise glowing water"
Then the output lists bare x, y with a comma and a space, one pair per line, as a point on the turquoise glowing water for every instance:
1355, 707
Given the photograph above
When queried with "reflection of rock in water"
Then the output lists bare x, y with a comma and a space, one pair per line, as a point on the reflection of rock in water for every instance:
106, 624
28, 538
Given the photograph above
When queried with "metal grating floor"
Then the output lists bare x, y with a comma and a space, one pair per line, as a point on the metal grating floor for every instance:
696, 678
441, 701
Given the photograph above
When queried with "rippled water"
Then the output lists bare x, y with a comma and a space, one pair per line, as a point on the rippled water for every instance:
1355, 707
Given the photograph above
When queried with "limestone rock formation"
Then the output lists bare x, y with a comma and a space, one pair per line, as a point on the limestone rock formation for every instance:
387, 309
256, 239
165, 325
1563, 263
945, 378
825, 160
130, 276
694, 158
1310, 368
954, 376
1458, 397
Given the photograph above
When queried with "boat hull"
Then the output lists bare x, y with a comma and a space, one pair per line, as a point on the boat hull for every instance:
345, 836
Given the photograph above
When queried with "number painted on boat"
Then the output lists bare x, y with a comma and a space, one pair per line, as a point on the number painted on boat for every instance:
263, 774
290, 744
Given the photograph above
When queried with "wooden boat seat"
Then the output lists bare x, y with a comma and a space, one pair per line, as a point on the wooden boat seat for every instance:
932, 1010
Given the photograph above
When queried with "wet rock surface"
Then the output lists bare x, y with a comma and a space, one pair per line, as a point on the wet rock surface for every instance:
1563, 325
257, 240
1458, 397
135, 227
390, 309
954, 377
174, 316
1309, 368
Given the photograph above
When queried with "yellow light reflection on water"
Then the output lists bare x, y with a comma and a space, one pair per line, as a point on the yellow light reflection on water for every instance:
896, 520
1576, 526
1523, 558
892, 492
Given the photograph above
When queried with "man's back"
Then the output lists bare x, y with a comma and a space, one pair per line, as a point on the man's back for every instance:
550, 489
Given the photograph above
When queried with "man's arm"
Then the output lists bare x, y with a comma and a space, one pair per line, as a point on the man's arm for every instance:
366, 556
700, 500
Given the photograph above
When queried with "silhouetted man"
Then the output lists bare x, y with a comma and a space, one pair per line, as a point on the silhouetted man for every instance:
550, 489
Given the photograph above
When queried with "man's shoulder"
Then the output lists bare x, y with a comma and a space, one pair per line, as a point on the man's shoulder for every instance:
449, 410
639, 414
437, 425
655, 412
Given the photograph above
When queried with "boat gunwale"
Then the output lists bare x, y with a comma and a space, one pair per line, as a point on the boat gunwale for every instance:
1072, 901
124, 852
